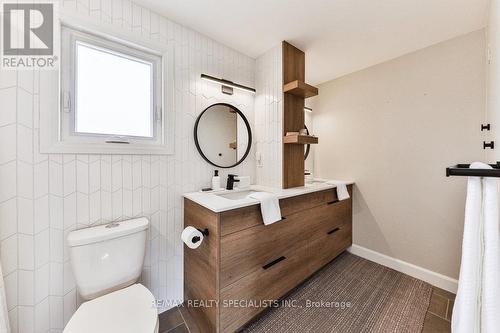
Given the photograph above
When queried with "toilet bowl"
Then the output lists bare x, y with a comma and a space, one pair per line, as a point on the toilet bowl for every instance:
107, 262
128, 310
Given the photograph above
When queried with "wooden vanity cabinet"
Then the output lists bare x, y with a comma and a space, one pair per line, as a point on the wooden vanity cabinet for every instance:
244, 262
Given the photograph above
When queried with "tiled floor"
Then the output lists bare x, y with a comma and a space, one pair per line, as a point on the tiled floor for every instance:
437, 320
438, 315
177, 320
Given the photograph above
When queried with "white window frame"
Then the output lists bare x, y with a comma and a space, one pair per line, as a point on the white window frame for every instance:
57, 125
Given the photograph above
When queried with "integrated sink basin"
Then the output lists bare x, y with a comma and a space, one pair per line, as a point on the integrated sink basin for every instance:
236, 195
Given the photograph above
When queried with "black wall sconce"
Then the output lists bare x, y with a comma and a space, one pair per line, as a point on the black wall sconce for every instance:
227, 86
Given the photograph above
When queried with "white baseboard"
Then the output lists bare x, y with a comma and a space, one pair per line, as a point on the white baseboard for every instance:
436, 279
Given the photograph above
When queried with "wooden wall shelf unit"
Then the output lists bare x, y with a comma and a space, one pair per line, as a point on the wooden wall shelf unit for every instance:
300, 89
295, 91
300, 139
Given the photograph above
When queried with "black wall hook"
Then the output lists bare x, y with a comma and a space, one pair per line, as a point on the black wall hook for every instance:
490, 144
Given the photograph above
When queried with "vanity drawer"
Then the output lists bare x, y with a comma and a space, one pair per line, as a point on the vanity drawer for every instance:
261, 288
325, 248
307, 201
246, 251
332, 215
239, 219
246, 217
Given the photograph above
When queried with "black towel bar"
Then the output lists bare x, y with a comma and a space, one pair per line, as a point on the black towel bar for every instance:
464, 170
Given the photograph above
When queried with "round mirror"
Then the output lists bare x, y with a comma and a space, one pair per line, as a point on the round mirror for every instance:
222, 135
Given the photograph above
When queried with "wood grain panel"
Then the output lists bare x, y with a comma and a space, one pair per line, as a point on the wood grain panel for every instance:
300, 89
332, 238
240, 219
293, 116
269, 284
324, 249
248, 250
293, 63
201, 266
332, 216
293, 155
300, 139
247, 217
293, 120
306, 201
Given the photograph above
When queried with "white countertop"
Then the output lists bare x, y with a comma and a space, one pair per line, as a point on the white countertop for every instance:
215, 202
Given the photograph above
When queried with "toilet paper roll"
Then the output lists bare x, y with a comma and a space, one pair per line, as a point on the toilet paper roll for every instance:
192, 237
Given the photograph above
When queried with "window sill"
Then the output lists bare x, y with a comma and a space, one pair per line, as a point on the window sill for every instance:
106, 148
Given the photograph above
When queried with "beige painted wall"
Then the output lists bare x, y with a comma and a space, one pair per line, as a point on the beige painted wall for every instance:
493, 83
393, 128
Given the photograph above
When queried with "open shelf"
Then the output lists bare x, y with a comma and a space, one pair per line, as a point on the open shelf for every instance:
295, 90
300, 88
300, 139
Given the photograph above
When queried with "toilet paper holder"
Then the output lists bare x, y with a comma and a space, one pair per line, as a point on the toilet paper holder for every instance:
204, 232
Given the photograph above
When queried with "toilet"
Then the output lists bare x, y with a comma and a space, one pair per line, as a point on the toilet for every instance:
107, 262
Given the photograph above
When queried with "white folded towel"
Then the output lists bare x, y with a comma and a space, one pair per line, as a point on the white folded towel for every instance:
269, 206
342, 192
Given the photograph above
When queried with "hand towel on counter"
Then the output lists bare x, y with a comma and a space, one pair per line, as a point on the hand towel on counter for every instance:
342, 192
477, 304
269, 206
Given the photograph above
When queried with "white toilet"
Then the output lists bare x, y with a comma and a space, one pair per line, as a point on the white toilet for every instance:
107, 262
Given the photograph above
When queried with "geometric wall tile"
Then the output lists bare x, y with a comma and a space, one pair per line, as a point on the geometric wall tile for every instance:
50, 195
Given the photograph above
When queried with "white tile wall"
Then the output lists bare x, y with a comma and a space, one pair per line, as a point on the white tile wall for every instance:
43, 197
269, 116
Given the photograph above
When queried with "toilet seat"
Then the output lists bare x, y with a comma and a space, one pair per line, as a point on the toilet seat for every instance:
128, 310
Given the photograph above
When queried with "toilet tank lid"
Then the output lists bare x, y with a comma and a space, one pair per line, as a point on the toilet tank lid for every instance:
107, 231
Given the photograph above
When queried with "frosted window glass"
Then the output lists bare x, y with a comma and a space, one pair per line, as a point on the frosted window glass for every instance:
113, 93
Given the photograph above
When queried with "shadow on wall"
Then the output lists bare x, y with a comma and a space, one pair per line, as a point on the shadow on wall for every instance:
363, 218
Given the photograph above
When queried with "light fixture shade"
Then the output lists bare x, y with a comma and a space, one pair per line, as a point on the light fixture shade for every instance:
227, 83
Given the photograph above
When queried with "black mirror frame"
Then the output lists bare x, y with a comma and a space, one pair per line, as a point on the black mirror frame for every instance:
249, 131
308, 146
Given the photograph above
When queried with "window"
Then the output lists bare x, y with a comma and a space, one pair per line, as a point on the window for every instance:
116, 96
108, 103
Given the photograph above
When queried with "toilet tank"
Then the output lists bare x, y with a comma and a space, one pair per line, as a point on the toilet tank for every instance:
108, 257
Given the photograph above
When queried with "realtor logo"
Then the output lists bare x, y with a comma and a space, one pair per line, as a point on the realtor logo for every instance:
28, 31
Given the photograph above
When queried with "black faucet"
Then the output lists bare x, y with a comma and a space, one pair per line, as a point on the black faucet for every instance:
231, 181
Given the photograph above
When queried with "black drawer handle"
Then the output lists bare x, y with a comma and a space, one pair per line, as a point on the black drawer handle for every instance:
274, 262
333, 231
332, 202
